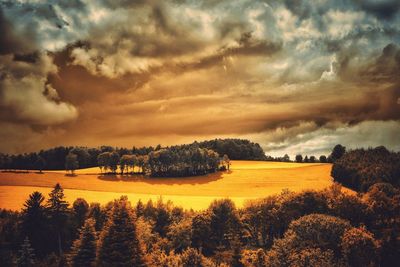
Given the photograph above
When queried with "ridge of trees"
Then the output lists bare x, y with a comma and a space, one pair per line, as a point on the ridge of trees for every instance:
309, 228
60, 158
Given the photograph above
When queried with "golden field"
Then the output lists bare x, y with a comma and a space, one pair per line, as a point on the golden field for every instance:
245, 180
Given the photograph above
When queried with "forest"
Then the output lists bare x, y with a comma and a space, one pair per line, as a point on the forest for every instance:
360, 168
310, 228
55, 158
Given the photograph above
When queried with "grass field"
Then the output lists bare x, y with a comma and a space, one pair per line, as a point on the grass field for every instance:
245, 180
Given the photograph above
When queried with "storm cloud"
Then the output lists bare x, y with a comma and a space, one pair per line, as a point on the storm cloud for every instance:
296, 76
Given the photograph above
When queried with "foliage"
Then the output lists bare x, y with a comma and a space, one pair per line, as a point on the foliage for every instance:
299, 158
359, 247
57, 210
310, 228
83, 251
118, 244
235, 149
337, 152
182, 161
193, 258
55, 158
71, 162
26, 255
34, 222
359, 169
80, 208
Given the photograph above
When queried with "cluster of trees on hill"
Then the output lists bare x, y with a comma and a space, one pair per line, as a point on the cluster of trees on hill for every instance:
83, 157
361, 168
311, 228
182, 161
174, 161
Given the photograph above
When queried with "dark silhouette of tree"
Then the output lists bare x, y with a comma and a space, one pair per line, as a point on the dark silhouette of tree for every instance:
34, 222
299, 158
312, 159
80, 209
323, 159
40, 164
179, 234
118, 244
201, 233
104, 161
57, 209
83, 156
224, 223
98, 215
124, 163
337, 152
162, 218
26, 257
114, 161
83, 251
306, 160
71, 162
286, 158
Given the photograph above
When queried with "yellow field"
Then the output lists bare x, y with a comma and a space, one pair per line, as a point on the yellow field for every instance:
245, 180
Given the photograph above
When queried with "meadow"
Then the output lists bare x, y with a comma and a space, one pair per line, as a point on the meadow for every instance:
245, 180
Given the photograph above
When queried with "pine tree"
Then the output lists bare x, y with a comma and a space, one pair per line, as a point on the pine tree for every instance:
57, 209
26, 254
34, 222
118, 244
83, 252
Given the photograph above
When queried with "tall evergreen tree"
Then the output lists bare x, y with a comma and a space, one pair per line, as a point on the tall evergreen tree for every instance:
34, 221
26, 255
83, 252
57, 209
118, 244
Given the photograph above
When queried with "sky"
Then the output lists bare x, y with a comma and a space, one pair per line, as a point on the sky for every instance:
296, 76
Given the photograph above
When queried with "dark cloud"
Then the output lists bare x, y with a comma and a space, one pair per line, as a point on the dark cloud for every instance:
12, 41
385, 9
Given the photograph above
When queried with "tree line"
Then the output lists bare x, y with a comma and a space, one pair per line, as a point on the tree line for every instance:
337, 152
83, 157
310, 228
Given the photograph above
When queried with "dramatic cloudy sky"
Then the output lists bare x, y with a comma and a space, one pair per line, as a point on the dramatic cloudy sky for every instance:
295, 76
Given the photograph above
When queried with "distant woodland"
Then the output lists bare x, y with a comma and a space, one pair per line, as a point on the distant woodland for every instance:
182, 160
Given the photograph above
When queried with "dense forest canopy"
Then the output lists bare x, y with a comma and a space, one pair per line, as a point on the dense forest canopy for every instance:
55, 158
310, 228
361, 168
